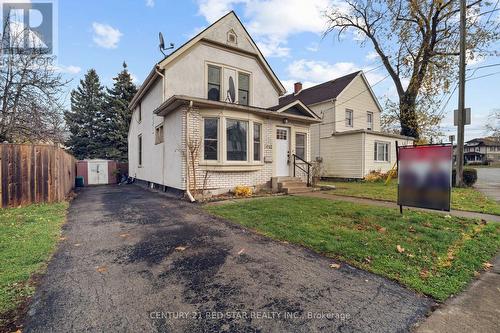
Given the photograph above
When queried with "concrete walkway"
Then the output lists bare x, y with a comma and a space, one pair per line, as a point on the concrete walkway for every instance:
388, 204
475, 310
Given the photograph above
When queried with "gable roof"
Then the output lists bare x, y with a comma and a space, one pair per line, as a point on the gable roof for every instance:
199, 37
488, 141
295, 108
321, 92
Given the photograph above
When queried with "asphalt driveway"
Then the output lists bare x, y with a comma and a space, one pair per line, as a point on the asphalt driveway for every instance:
118, 270
488, 182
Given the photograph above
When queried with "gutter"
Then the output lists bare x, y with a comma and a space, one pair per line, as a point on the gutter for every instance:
162, 99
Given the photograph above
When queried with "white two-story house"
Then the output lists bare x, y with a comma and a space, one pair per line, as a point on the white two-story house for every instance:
206, 117
349, 141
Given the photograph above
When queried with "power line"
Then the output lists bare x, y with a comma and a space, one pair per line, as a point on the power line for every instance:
482, 76
491, 12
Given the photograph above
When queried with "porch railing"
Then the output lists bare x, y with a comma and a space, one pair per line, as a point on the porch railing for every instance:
302, 165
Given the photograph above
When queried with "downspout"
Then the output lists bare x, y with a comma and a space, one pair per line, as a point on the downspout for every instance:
162, 100
190, 196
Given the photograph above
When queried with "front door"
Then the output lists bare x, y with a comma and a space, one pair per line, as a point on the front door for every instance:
282, 151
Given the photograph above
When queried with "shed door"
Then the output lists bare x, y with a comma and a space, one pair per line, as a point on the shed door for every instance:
98, 172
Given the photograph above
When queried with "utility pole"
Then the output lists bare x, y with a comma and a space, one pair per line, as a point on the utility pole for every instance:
461, 99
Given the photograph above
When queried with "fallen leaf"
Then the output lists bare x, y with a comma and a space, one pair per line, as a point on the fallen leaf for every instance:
381, 230
487, 265
400, 248
62, 238
241, 251
102, 269
424, 273
125, 235
411, 229
368, 260
78, 244
410, 255
447, 216
180, 248
335, 266
476, 273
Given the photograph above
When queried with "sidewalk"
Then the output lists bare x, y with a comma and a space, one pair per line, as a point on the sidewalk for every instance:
477, 309
459, 213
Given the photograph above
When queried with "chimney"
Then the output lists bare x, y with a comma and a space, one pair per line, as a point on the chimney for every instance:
297, 87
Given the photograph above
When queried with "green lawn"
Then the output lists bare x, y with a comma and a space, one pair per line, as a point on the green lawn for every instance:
441, 254
28, 236
461, 198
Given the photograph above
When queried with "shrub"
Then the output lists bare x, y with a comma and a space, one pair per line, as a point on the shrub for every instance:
470, 177
376, 176
243, 191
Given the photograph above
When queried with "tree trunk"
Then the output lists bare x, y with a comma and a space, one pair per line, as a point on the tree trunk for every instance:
408, 116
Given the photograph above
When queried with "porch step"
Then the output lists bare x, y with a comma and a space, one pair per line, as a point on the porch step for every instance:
296, 190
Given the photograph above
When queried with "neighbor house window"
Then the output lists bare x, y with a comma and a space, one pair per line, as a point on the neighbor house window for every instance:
159, 134
139, 149
256, 141
243, 88
210, 138
236, 136
369, 121
214, 73
300, 145
348, 118
381, 151
139, 112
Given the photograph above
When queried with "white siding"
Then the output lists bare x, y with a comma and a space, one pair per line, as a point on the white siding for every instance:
370, 163
356, 97
343, 156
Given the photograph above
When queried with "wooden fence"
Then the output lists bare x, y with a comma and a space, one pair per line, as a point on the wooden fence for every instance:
35, 173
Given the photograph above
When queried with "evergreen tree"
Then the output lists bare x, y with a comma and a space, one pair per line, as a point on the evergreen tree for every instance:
85, 120
118, 115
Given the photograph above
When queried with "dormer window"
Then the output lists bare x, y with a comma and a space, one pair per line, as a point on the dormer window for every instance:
231, 37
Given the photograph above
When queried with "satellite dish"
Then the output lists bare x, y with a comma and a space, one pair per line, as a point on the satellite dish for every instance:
162, 44
162, 41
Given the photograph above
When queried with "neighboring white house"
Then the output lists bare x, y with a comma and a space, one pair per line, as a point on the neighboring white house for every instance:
217, 92
349, 141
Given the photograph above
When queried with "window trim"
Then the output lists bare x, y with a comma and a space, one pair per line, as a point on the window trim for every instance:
139, 112
139, 150
305, 144
247, 91
162, 137
351, 118
375, 151
369, 125
222, 83
217, 160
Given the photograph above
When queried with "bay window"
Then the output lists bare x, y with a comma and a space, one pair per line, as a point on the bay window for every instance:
256, 141
236, 140
210, 138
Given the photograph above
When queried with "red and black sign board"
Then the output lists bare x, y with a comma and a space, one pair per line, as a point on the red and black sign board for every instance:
424, 176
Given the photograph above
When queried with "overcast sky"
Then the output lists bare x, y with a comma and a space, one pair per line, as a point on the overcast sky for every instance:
103, 34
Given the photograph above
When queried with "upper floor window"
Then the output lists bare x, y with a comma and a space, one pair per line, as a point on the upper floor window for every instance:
300, 145
243, 88
159, 134
369, 121
236, 140
214, 78
348, 118
210, 138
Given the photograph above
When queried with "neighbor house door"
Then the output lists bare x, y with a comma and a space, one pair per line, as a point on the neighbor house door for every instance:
282, 151
98, 172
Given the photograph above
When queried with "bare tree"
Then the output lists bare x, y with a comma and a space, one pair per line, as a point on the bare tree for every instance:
417, 42
493, 125
30, 91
